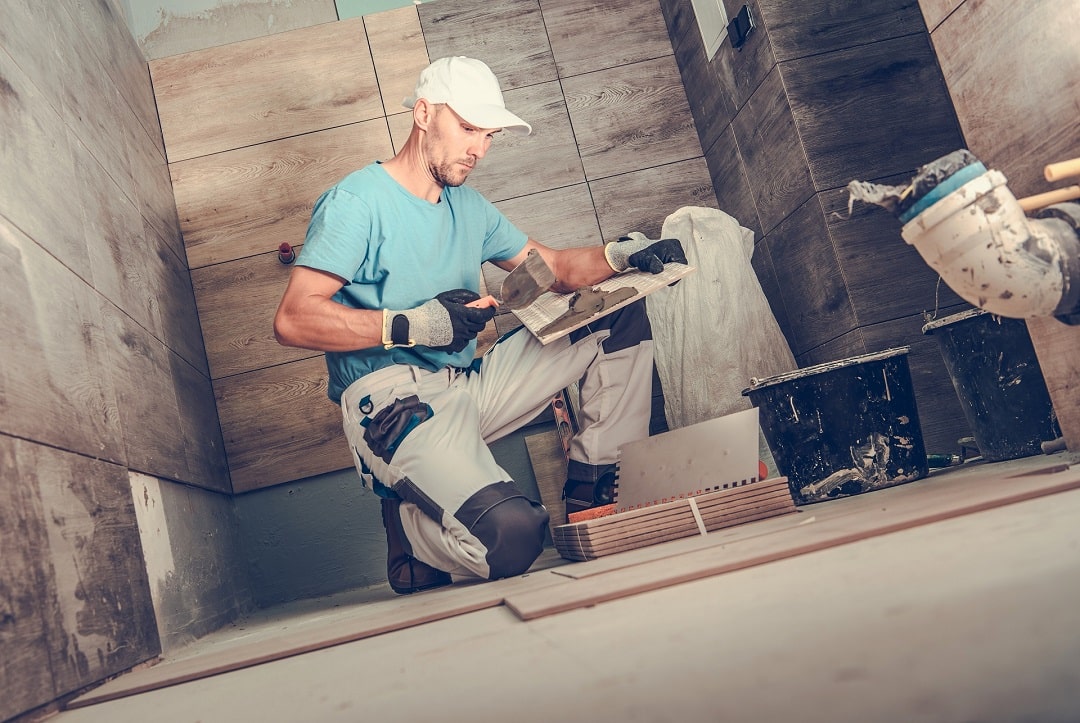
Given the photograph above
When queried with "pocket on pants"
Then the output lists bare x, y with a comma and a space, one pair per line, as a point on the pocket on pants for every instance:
385, 432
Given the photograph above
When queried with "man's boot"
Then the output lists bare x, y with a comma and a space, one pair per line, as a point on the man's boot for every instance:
580, 495
405, 573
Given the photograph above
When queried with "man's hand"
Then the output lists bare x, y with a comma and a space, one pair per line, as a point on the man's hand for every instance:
446, 323
644, 254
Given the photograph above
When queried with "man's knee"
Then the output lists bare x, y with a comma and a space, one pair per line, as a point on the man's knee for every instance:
513, 533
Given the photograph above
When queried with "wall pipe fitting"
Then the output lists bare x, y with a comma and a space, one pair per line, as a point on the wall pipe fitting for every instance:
990, 253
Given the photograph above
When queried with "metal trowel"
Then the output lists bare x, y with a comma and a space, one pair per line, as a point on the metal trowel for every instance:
527, 282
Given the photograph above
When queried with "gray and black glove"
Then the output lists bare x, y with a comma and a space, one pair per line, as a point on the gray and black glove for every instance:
445, 323
644, 254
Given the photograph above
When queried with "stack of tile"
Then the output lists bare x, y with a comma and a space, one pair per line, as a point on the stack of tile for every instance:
590, 539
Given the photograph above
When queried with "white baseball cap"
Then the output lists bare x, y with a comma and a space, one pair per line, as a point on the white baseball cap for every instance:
470, 88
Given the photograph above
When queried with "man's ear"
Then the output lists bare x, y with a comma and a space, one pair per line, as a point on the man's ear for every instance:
423, 113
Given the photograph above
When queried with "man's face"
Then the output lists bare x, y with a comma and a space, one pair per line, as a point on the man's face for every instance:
453, 146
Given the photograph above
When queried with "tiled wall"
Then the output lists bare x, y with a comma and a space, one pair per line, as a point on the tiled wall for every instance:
823, 93
103, 377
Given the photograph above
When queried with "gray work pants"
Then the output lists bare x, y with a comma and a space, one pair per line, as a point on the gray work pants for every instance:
422, 436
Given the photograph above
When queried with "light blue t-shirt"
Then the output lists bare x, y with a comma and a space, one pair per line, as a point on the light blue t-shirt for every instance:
397, 251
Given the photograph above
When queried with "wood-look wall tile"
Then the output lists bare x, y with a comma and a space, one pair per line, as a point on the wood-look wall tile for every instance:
772, 153
140, 367
277, 87
1012, 69
711, 101
642, 200
729, 182
27, 115
247, 201
29, 599
935, 11
154, 191
680, 19
886, 277
113, 230
742, 71
56, 348
301, 435
399, 53
28, 32
849, 344
104, 620
198, 425
546, 159
170, 284
770, 285
810, 278
941, 417
871, 111
236, 342
400, 125
509, 36
588, 35
798, 28
631, 117
561, 218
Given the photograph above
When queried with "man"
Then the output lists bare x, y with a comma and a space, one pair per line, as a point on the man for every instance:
386, 284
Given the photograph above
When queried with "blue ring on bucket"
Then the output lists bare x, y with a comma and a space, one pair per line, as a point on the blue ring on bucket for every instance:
943, 189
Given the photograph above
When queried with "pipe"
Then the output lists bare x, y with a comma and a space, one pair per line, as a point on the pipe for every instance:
970, 228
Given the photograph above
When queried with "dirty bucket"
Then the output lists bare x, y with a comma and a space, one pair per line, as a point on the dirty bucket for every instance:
844, 427
998, 379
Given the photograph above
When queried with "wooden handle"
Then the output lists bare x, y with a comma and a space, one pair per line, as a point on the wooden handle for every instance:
1069, 193
1064, 169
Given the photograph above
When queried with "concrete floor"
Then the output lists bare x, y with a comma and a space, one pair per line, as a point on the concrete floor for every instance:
971, 619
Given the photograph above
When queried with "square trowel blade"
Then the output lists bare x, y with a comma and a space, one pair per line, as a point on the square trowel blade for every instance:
527, 282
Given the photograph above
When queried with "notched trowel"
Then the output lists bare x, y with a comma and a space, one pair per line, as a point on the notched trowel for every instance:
527, 282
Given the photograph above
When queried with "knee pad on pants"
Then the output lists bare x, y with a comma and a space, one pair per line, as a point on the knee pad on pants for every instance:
513, 533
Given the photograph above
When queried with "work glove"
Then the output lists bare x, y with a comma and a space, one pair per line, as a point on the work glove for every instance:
444, 324
642, 253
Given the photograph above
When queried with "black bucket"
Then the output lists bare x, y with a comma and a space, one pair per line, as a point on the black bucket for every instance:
843, 428
998, 379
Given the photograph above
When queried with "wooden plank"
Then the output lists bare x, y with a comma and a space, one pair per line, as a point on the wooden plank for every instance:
248, 201
837, 522
548, 158
265, 89
509, 36
364, 621
811, 281
237, 301
398, 52
588, 36
772, 154
631, 117
641, 200
1055, 345
888, 96
279, 425
800, 29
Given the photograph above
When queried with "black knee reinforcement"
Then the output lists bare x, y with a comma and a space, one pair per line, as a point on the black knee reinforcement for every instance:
509, 525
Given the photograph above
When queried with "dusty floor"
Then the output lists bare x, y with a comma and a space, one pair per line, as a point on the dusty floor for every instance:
970, 619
